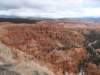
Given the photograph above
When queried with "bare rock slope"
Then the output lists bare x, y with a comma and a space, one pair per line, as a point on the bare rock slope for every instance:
44, 48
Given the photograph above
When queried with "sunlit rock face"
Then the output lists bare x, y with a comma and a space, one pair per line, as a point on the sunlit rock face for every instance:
44, 48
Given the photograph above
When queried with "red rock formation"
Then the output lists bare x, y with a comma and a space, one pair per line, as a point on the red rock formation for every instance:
58, 47
92, 69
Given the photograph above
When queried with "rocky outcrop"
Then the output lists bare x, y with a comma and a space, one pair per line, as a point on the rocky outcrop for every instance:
44, 48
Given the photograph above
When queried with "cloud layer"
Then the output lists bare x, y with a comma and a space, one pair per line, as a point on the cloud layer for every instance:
50, 8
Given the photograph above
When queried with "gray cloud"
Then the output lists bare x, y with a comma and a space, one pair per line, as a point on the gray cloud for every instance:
44, 8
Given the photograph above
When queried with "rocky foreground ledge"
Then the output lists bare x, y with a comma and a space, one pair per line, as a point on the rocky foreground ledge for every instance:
46, 48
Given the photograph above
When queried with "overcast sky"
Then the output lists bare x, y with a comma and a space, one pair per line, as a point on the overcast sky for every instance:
50, 8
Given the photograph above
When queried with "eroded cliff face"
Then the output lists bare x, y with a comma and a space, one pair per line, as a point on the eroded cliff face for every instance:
44, 48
